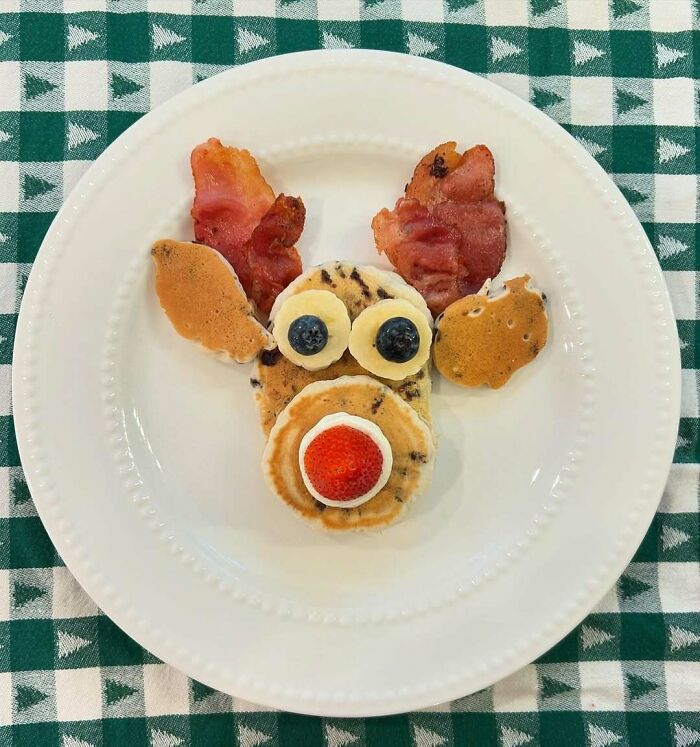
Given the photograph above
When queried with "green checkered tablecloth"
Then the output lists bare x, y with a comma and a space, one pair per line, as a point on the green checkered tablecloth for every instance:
621, 76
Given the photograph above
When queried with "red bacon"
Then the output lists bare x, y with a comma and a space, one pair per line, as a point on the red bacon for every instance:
482, 248
447, 237
236, 213
425, 251
271, 258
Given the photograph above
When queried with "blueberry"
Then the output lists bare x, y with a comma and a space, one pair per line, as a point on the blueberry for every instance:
308, 334
398, 340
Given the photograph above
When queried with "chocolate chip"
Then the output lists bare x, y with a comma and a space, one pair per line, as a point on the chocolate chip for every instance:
255, 383
418, 456
270, 357
377, 403
325, 277
438, 168
381, 293
355, 275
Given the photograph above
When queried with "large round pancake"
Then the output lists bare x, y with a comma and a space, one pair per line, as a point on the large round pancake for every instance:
411, 444
276, 380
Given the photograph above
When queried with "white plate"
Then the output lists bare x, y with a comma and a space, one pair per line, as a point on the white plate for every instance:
143, 455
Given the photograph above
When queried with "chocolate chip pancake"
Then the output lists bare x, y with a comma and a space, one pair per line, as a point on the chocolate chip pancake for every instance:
409, 436
357, 286
484, 340
276, 380
200, 293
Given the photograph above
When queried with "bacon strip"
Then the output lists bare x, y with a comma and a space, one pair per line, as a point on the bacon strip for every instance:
231, 196
473, 179
271, 259
447, 236
429, 173
236, 213
482, 249
424, 251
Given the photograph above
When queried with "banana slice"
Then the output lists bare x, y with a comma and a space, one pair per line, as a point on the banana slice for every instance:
312, 329
391, 339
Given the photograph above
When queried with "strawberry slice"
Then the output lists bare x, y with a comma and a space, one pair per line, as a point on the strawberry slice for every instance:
343, 463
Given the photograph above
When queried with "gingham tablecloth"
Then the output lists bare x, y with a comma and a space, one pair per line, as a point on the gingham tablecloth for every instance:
621, 76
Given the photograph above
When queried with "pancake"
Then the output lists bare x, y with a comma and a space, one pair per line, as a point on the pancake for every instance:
357, 286
200, 293
411, 444
276, 380
483, 340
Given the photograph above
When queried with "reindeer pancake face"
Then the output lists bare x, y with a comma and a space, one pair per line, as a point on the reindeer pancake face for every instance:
289, 396
341, 374
327, 370
277, 379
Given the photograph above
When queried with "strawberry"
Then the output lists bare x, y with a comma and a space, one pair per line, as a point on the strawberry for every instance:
343, 463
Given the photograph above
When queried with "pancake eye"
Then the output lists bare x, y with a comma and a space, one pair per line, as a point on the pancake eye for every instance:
391, 339
398, 340
308, 334
312, 329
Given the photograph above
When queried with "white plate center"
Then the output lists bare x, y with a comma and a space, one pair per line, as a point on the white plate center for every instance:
193, 427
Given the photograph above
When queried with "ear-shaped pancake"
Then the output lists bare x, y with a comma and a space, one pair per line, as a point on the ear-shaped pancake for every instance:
200, 293
482, 340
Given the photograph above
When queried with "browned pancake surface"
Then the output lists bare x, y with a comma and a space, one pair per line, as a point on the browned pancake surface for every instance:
276, 380
482, 340
201, 295
357, 286
411, 444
